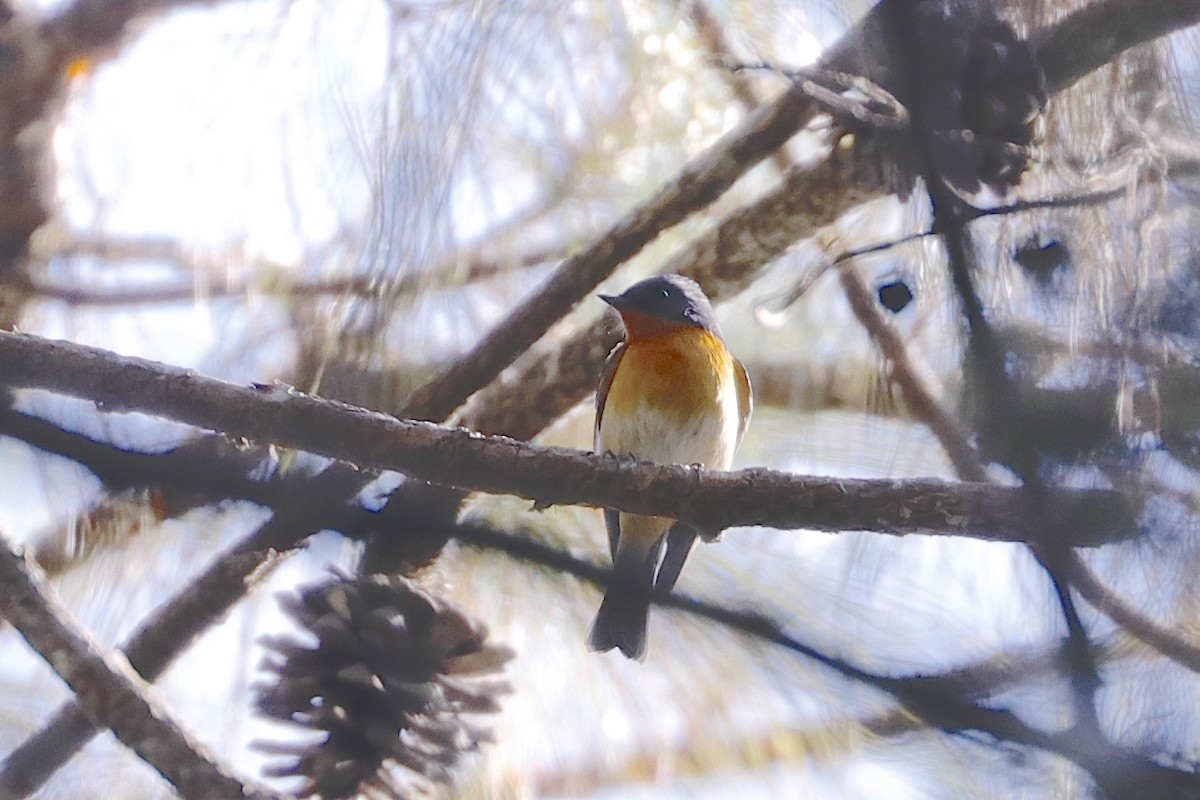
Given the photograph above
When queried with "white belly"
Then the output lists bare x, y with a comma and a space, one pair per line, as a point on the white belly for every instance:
651, 434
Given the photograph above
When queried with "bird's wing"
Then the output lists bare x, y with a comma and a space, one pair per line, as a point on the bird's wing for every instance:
606, 379
612, 519
612, 523
745, 398
680, 539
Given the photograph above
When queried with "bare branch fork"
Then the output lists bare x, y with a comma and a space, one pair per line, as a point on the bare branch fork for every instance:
469, 461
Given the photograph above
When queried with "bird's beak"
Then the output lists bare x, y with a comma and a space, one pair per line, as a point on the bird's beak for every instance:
613, 300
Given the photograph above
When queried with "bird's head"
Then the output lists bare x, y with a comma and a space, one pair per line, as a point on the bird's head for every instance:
663, 304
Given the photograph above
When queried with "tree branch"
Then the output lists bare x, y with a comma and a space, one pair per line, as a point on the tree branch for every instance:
1160, 638
202, 471
208, 268
109, 690
562, 376
724, 261
187, 475
324, 503
945, 701
469, 461
699, 183
165, 634
1095, 34
86, 28
920, 400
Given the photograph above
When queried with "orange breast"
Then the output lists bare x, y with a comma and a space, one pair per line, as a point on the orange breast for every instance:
682, 373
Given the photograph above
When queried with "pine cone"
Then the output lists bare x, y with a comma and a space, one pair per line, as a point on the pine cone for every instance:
391, 684
972, 88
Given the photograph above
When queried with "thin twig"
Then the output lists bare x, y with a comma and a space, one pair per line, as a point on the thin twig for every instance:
1055, 203
270, 278
921, 402
780, 743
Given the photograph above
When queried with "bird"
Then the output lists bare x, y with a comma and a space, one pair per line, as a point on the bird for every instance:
669, 393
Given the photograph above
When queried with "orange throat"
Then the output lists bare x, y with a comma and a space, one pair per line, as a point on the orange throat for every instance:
681, 370
639, 326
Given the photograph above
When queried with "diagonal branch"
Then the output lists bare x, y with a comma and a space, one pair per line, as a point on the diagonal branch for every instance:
920, 401
698, 184
724, 261
1095, 34
324, 503
1164, 640
561, 376
109, 690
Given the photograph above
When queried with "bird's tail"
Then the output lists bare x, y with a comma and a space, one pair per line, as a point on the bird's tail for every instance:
621, 622
623, 615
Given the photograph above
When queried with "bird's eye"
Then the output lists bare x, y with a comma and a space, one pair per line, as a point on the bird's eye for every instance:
665, 293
